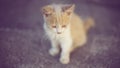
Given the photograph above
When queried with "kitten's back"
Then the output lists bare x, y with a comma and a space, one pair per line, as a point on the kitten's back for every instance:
77, 31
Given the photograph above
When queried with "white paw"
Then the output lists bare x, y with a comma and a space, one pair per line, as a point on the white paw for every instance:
64, 60
53, 51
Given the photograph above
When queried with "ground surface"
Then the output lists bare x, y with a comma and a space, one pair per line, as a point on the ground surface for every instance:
22, 44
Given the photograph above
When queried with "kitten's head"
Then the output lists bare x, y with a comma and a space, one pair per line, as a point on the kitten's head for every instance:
57, 17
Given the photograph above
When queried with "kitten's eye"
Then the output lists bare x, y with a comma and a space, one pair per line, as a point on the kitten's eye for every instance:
47, 15
68, 13
63, 26
53, 26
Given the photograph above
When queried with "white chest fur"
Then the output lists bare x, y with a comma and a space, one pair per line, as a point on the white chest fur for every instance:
65, 41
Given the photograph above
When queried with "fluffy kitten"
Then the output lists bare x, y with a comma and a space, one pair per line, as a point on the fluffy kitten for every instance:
65, 30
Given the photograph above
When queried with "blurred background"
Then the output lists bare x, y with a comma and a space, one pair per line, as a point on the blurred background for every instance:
22, 42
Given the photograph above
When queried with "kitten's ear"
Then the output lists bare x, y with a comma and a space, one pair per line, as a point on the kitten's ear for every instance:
47, 10
68, 8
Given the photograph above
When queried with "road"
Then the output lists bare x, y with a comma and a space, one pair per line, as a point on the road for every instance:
23, 44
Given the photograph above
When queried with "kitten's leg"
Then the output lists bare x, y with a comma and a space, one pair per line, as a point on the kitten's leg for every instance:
65, 54
54, 49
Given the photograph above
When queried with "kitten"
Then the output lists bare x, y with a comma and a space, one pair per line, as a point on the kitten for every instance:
65, 29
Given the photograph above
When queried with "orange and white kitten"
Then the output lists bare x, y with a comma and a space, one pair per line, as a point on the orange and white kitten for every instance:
65, 30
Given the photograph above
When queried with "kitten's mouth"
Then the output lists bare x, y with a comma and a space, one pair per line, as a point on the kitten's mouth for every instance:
59, 32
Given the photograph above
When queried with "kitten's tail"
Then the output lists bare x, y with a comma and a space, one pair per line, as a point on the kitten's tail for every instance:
89, 23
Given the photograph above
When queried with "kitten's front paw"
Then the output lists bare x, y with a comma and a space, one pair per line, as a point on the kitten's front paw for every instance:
64, 60
53, 51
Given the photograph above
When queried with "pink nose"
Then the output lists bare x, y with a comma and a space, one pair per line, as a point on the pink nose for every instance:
58, 32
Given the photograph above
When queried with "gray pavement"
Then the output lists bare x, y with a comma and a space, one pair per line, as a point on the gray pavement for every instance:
23, 44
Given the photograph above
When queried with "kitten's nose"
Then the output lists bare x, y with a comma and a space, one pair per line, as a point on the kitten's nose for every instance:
58, 32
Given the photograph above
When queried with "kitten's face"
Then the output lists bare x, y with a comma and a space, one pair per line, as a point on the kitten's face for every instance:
57, 18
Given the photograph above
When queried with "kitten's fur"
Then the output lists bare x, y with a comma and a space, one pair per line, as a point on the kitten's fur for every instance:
65, 30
